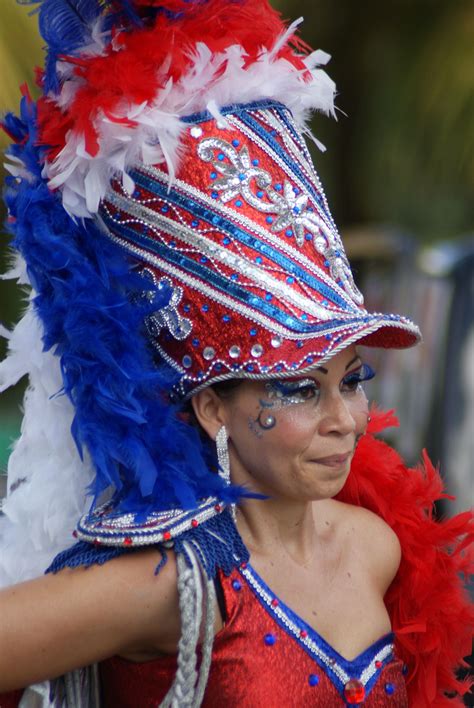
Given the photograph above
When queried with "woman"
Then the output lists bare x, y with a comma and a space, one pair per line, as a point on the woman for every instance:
197, 212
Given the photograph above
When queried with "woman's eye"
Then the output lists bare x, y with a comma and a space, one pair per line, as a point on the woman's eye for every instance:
352, 381
297, 392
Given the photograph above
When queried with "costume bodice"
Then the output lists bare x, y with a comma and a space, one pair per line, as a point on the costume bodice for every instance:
266, 656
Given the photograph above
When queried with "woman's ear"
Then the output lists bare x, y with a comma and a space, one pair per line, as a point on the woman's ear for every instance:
209, 410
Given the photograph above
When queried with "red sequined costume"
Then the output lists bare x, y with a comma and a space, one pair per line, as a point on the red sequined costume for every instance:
266, 656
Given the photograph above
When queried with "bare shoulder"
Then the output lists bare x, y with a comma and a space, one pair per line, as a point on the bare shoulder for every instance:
374, 541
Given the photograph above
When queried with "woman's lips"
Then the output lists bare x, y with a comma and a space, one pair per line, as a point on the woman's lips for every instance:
334, 460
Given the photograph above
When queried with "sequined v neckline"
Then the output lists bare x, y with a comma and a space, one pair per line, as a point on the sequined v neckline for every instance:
365, 667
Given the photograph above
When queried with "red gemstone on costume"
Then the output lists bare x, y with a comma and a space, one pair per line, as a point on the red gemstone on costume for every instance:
74, 533
127, 541
303, 634
378, 664
166, 536
354, 692
194, 523
274, 602
243, 565
217, 508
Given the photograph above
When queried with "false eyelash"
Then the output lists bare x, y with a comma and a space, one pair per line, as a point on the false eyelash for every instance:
288, 388
365, 373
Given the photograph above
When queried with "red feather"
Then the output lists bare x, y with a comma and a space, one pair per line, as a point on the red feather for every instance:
132, 74
431, 615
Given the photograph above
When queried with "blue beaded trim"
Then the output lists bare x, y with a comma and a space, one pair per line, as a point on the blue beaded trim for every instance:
237, 109
237, 232
338, 669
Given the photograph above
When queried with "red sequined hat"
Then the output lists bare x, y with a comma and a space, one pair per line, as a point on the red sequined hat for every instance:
260, 284
208, 184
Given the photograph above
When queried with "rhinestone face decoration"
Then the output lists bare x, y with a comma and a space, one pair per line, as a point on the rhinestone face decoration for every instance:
244, 240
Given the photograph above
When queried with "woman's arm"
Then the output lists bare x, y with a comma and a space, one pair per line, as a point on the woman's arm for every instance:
60, 622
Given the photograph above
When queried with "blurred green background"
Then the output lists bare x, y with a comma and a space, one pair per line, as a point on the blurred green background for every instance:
400, 158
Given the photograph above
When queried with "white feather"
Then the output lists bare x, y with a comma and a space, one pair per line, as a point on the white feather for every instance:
211, 82
46, 478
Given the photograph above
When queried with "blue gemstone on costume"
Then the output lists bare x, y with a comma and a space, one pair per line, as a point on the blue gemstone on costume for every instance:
213, 175
269, 640
164, 209
172, 244
389, 689
313, 680
235, 143
226, 318
205, 308
242, 176
250, 367
136, 194
328, 336
186, 308
255, 162
221, 156
203, 259
304, 316
268, 296
234, 276
279, 367
238, 203
195, 342
237, 585
253, 332
308, 236
309, 359
194, 223
260, 194
214, 195
290, 279
296, 190
326, 263
325, 303
226, 241
218, 366
299, 344
289, 233
259, 259
296, 210
278, 187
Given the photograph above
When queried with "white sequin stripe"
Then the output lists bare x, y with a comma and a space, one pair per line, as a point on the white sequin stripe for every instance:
371, 669
213, 250
252, 227
293, 628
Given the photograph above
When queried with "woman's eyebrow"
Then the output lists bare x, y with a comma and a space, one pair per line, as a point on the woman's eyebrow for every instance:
324, 371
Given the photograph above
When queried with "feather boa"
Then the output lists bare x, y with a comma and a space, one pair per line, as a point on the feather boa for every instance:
431, 615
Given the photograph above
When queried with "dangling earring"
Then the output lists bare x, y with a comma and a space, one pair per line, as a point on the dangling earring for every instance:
223, 454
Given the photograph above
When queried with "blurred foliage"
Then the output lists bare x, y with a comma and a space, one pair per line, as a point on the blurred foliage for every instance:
405, 76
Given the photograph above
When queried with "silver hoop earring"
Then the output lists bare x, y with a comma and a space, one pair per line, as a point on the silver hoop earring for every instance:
223, 454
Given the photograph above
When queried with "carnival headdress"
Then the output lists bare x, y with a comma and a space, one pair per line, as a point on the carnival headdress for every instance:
175, 233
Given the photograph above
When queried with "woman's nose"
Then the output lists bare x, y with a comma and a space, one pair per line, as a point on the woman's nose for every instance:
336, 415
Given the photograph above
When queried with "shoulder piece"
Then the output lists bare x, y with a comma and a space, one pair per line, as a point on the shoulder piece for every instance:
108, 527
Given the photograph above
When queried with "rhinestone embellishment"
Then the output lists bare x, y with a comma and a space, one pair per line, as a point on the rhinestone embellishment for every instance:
234, 351
209, 353
257, 350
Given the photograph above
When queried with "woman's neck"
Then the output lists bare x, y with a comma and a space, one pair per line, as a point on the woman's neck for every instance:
271, 525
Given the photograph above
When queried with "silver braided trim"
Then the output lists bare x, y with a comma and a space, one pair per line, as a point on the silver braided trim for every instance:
187, 689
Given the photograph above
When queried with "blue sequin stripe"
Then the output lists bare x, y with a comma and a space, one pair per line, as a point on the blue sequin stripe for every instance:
292, 166
219, 282
228, 227
338, 669
235, 109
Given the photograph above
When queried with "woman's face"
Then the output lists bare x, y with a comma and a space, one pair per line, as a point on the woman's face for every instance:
295, 438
